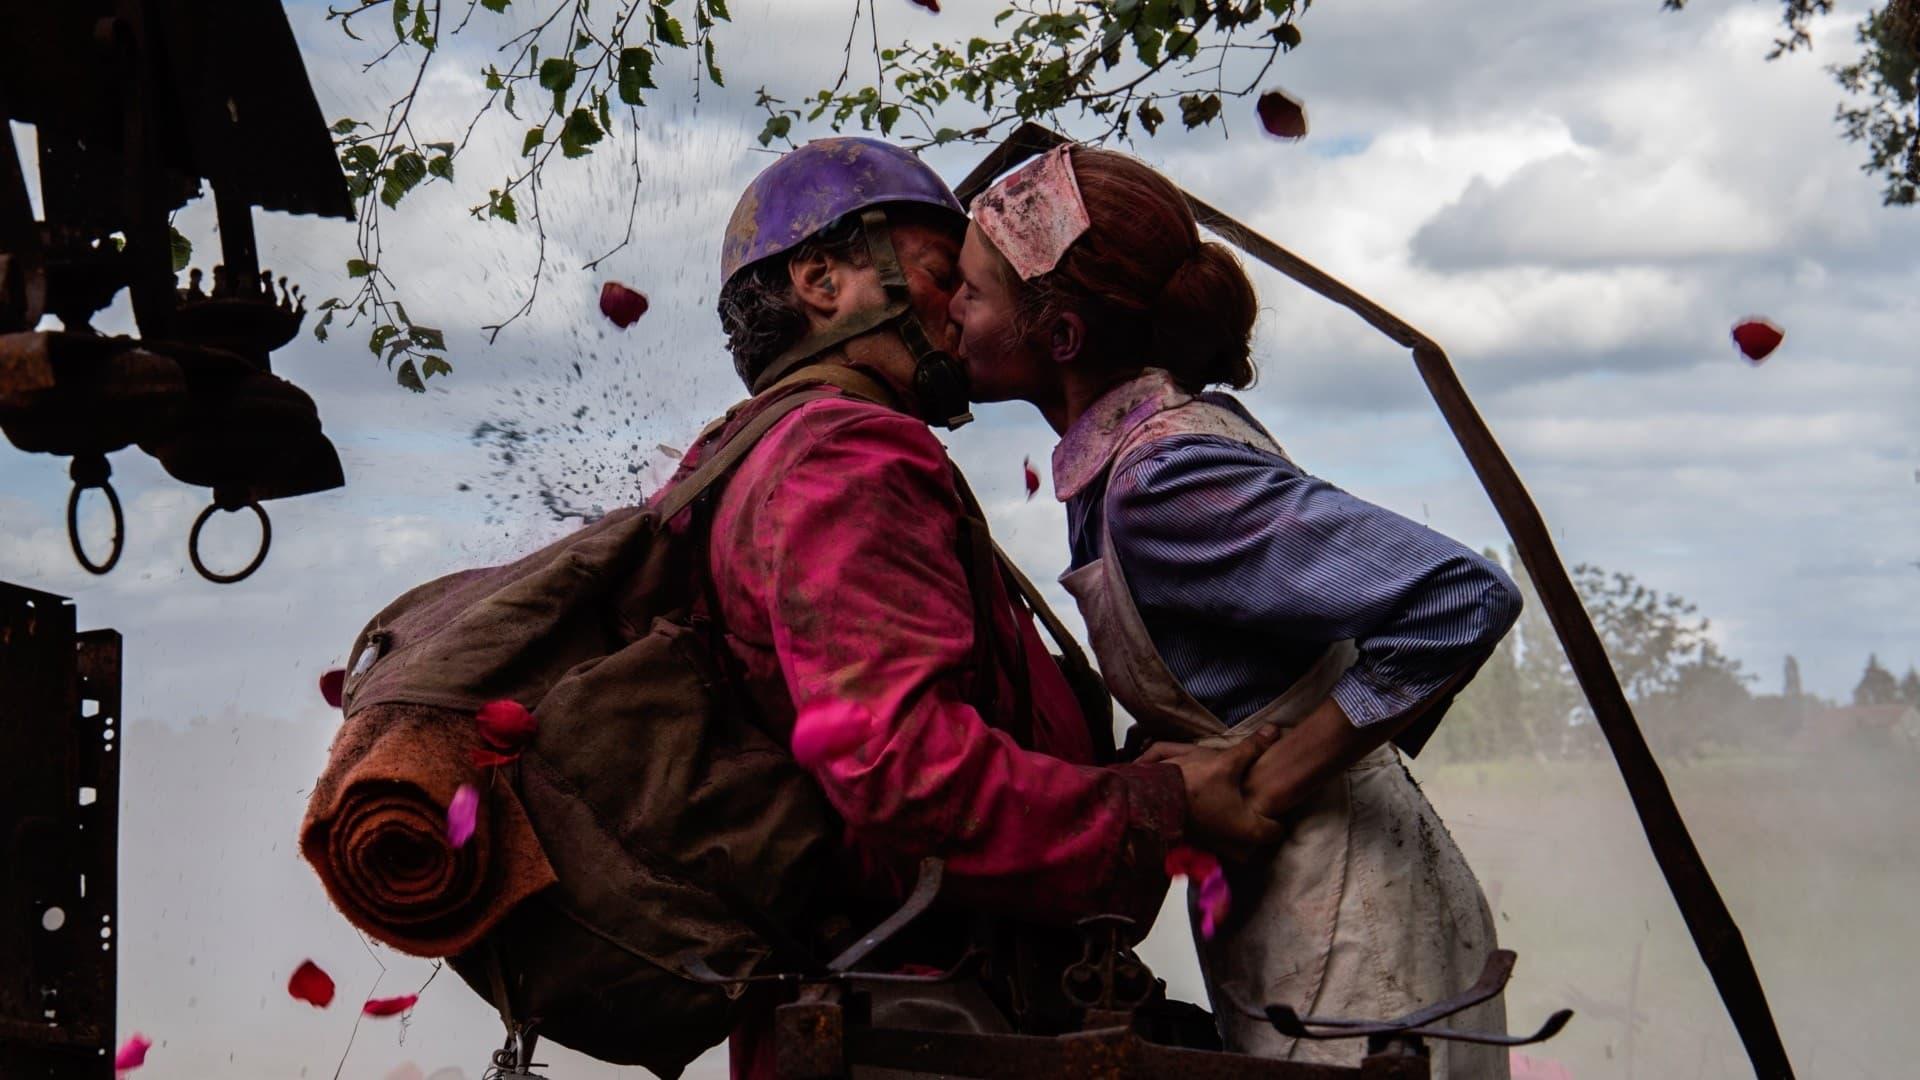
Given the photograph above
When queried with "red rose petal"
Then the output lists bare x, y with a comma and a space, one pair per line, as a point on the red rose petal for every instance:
133, 1052
462, 812
389, 1006
331, 684
1033, 478
506, 726
311, 985
487, 759
1282, 115
930, 5
1188, 862
621, 305
1756, 337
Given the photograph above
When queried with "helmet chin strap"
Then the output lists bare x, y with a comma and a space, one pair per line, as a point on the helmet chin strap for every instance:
940, 386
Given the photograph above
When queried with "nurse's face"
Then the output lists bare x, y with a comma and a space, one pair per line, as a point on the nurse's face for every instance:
1002, 364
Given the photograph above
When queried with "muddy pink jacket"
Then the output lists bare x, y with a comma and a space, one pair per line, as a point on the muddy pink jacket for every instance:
840, 585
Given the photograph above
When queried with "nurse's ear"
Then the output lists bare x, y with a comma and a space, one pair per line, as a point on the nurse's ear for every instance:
1069, 336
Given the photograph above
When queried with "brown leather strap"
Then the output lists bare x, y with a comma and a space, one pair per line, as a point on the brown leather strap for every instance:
1088, 686
731, 452
1714, 932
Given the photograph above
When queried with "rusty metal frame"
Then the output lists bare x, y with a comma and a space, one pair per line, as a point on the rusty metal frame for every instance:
60, 748
1711, 924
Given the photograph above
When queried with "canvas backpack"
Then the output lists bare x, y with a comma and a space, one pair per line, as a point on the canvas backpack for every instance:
676, 827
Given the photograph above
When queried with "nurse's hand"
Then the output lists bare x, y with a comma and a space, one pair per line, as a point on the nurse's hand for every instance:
1220, 815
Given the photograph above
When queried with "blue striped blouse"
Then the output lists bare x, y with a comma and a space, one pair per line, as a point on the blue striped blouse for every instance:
1244, 567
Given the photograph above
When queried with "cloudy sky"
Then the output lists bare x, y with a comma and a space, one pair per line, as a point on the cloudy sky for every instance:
1576, 199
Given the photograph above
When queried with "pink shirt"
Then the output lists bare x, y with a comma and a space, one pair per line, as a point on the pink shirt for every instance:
840, 584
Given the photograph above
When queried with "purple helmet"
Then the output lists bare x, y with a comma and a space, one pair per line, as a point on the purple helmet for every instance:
809, 188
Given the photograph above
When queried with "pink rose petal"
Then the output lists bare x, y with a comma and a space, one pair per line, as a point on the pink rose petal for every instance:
461, 813
1032, 477
311, 985
332, 683
133, 1052
389, 1006
621, 305
1215, 901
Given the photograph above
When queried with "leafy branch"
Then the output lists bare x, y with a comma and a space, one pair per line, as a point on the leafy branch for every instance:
1115, 60
592, 64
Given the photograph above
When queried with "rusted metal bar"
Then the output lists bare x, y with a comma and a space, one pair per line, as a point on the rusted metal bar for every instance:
1711, 924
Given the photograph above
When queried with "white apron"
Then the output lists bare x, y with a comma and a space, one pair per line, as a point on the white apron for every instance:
1367, 909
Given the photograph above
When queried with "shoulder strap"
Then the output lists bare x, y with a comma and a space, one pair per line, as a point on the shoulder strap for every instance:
790, 397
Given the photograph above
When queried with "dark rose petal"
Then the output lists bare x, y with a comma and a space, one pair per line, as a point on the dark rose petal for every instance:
331, 684
311, 985
389, 1006
1191, 863
1282, 116
487, 759
1757, 337
1033, 478
930, 5
622, 305
506, 726
462, 815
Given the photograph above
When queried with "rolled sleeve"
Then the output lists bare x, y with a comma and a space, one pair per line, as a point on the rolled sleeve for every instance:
1205, 526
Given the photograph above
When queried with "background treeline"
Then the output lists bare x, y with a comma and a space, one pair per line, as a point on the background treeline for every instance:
1692, 700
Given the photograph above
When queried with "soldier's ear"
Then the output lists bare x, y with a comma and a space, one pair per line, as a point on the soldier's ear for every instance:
815, 278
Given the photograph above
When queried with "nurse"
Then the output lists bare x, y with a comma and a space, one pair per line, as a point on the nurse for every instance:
1226, 590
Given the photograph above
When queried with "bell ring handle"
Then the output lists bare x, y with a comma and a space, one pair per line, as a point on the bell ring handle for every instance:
266, 541
73, 526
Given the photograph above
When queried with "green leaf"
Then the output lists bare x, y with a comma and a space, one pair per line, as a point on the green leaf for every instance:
888, 115
503, 209
556, 74
713, 69
406, 172
1287, 34
636, 74
493, 80
427, 337
579, 134
667, 28
345, 125
320, 328
434, 365
719, 9
358, 268
181, 247
1150, 117
777, 128
409, 378
606, 113
381, 336
945, 135
441, 167
400, 10
535, 136
1198, 111
495, 6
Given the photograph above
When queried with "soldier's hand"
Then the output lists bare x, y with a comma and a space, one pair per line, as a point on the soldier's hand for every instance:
1220, 816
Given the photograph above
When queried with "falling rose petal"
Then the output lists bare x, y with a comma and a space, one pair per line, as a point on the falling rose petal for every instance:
461, 813
1188, 862
1756, 337
487, 759
311, 985
1282, 115
133, 1052
1033, 478
505, 726
1214, 902
389, 1006
621, 305
331, 684
930, 5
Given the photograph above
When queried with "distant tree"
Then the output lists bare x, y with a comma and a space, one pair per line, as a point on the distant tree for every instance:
1910, 687
1877, 685
1790, 684
1489, 719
